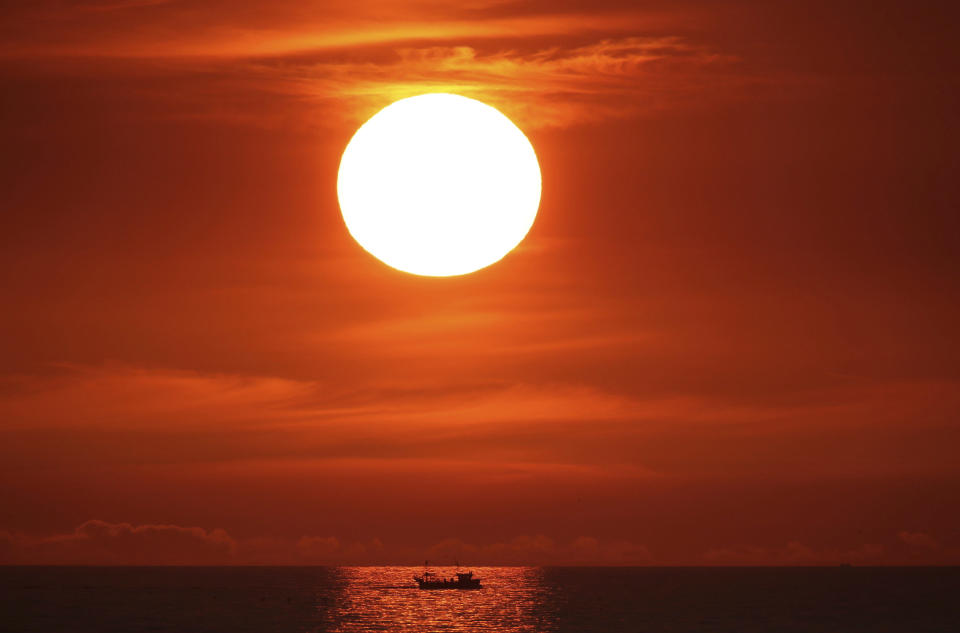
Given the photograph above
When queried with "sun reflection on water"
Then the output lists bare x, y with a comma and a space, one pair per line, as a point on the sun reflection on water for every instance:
387, 599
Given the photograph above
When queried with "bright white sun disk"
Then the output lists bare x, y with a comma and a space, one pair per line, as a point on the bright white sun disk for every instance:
439, 185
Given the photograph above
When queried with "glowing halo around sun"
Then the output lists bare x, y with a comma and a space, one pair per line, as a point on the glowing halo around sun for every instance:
439, 185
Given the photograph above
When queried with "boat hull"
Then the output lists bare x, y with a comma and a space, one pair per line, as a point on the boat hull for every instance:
454, 586
462, 581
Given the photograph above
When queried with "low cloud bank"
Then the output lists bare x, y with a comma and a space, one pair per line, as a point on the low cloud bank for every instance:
98, 542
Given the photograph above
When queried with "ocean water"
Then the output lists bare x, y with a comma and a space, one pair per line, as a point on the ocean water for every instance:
515, 599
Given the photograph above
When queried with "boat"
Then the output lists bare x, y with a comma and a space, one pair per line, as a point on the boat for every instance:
461, 580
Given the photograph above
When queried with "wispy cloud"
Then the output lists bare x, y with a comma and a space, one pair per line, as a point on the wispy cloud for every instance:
552, 86
217, 32
544, 68
504, 429
102, 7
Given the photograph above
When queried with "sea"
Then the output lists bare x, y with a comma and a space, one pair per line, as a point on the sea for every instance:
514, 599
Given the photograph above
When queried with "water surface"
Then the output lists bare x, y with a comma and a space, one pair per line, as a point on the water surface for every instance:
515, 599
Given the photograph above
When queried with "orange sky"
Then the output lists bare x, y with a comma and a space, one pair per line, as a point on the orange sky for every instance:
728, 339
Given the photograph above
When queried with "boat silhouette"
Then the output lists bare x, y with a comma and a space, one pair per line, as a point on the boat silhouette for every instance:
460, 580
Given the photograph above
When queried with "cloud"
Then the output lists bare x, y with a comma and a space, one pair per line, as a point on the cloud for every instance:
556, 85
330, 550
918, 540
542, 550
161, 400
97, 542
794, 553
540, 85
145, 399
503, 429
173, 30
118, 6
545, 69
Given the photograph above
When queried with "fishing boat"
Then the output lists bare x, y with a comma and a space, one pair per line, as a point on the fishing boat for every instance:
460, 580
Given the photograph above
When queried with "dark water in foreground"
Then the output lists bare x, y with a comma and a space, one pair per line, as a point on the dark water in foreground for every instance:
281, 600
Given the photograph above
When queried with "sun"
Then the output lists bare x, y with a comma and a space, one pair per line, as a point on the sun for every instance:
439, 185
